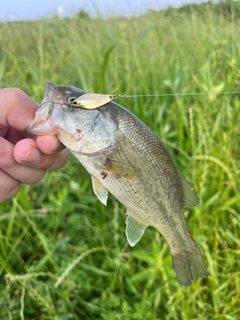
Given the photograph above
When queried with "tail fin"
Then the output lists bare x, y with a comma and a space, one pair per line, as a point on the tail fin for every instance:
189, 267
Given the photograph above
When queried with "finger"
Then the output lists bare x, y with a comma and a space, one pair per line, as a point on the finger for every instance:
26, 152
9, 186
12, 135
49, 144
15, 170
17, 109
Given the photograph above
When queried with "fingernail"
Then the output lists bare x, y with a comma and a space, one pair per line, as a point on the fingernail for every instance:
31, 155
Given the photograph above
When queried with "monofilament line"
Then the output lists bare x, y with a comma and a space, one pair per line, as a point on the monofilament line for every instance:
116, 96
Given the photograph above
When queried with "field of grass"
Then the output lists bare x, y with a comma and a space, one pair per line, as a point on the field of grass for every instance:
63, 255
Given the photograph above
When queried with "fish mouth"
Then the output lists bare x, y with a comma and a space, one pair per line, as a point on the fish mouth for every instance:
55, 99
39, 126
52, 98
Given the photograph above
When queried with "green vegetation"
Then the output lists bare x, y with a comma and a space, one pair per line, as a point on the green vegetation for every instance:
63, 255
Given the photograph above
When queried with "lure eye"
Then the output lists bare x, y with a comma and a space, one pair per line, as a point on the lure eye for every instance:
71, 101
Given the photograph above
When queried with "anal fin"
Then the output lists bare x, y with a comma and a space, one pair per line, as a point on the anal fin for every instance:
134, 229
99, 190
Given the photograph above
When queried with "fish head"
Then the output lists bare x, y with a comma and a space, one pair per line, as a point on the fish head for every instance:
79, 129
49, 117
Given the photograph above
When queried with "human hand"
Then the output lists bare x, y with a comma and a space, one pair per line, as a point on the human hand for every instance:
23, 158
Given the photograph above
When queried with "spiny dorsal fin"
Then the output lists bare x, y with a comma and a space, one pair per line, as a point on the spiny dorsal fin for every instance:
134, 229
190, 195
99, 190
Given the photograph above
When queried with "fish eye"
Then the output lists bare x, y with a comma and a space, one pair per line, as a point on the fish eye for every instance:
71, 101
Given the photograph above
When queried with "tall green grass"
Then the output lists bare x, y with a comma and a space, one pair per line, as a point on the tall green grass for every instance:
63, 255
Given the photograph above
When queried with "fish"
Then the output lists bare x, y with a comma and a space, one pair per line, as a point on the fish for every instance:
124, 157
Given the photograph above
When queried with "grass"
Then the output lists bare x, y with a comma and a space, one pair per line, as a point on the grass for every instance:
63, 255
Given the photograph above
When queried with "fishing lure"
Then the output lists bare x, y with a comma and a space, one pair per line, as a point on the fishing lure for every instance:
93, 100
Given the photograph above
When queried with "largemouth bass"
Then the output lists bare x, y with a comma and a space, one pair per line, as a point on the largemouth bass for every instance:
124, 157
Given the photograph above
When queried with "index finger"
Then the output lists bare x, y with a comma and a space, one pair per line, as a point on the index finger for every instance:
17, 109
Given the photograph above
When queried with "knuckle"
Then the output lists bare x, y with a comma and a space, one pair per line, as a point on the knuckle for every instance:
16, 94
48, 162
5, 160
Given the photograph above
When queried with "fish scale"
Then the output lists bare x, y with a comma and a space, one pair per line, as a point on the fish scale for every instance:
124, 157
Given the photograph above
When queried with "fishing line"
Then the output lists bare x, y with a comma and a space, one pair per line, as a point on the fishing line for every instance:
116, 96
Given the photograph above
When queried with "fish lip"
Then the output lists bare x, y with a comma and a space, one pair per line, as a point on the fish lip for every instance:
40, 124
48, 82
50, 91
33, 126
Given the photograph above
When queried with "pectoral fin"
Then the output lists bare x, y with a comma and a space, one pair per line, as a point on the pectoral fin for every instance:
134, 229
99, 190
122, 170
